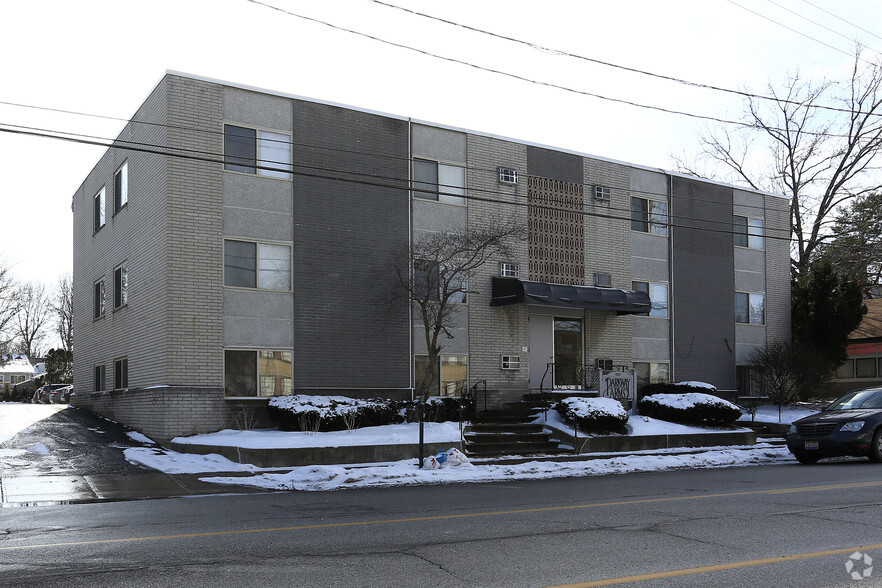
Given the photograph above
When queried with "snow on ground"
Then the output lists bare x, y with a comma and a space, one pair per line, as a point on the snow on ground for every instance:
276, 439
17, 416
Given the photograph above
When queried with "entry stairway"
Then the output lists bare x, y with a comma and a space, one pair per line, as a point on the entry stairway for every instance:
510, 430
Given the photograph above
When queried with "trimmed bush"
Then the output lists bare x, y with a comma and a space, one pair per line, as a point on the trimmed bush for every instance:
440, 409
594, 415
690, 408
330, 413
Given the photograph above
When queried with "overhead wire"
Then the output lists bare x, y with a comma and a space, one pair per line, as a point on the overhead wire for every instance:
392, 183
563, 53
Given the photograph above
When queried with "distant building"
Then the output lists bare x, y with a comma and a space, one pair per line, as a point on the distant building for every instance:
229, 247
15, 369
863, 367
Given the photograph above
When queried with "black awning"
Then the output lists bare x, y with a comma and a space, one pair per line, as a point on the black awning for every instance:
514, 291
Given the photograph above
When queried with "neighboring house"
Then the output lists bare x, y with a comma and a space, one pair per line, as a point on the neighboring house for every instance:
231, 246
15, 369
863, 367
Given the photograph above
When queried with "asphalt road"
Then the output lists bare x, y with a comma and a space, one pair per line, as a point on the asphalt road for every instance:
781, 526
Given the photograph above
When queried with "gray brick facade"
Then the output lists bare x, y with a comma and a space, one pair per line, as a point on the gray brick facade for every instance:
344, 213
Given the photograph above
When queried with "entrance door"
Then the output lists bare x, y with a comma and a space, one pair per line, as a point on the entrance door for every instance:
557, 341
567, 352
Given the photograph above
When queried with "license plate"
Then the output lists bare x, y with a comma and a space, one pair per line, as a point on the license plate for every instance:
811, 444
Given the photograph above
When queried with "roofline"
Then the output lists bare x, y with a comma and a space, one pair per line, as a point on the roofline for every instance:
247, 87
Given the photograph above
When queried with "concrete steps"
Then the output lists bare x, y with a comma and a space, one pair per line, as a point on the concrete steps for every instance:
509, 431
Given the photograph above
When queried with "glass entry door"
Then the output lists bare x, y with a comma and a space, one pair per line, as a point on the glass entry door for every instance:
567, 352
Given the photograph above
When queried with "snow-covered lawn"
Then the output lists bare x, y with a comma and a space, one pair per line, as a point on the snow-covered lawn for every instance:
15, 416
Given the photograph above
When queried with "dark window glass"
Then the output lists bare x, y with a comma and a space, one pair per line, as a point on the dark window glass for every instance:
99, 378
99, 210
240, 373
639, 220
425, 179
120, 286
742, 307
98, 296
121, 374
739, 228
240, 264
865, 367
240, 149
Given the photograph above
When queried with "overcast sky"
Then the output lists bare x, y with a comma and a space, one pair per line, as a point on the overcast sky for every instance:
104, 57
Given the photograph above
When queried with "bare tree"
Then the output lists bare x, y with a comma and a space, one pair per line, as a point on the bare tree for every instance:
62, 307
8, 305
822, 143
433, 276
31, 318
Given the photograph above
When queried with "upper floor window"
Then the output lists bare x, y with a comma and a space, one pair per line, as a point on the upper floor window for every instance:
507, 175
257, 265
121, 187
433, 282
750, 308
98, 210
98, 299
658, 297
253, 151
748, 232
120, 286
649, 216
438, 181
509, 270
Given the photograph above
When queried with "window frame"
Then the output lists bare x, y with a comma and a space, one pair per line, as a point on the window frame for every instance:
430, 188
99, 377
261, 273
509, 269
99, 299
655, 311
443, 360
749, 234
251, 159
121, 187
258, 384
121, 373
751, 296
647, 219
99, 210
120, 286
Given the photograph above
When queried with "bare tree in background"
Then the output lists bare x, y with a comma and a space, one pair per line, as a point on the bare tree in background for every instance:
8, 306
32, 316
62, 307
821, 145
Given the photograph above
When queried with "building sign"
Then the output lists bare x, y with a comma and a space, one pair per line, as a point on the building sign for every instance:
619, 385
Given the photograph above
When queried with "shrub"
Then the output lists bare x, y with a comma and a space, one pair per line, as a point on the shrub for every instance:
692, 408
330, 413
440, 409
594, 415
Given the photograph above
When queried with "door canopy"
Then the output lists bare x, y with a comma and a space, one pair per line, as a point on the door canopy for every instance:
515, 291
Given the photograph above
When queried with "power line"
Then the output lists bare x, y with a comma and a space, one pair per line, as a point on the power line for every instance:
563, 53
104, 141
836, 16
394, 183
817, 24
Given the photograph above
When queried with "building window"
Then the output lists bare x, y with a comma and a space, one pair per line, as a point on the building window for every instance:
865, 367
17, 379
98, 208
120, 374
98, 299
651, 372
846, 370
451, 377
438, 181
649, 216
748, 232
509, 270
434, 282
602, 280
258, 373
252, 151
602, 193
257, 265
750, 308
510, 362
98, 378
658, 297
120, 286
121, 187
507, 176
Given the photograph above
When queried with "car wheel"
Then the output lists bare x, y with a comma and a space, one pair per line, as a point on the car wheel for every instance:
876, 447
806, 458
